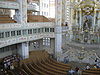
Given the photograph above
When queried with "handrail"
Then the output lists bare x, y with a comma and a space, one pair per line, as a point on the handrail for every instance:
9, 4
19, 39
27, 25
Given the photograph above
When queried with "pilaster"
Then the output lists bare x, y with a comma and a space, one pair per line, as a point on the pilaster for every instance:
76, 18
23, 50
80, 17
67, 12
99, 19
58, 29
21, 14
94, 20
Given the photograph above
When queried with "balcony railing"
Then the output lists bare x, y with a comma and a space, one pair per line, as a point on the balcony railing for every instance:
9, 4
19, 39
15, 5
33, 7
27, 25
43, 29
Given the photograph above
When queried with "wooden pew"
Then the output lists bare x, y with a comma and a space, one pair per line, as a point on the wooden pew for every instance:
88, 73
53, 66
51, 69
37, 69
59, 63
91, 71
10, 72
24, 66
65, 67
60, 67
44, 70
22, 71
7, 21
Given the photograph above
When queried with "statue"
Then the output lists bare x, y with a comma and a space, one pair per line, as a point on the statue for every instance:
88, 22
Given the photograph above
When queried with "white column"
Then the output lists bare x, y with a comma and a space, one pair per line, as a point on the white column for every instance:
41, 44
23, 50
76, 18
80, 18
21, 14
67, 11
52, 44
71, 22
58, 40
94, 18
76, 0
99, 19
58, 29
80, 0
71, 16
95, 0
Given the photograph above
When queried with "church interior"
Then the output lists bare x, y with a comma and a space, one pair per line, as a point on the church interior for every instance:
49, 37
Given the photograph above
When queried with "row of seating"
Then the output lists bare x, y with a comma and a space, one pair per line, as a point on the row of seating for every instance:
51, 67
6, 19
37, 18
40, 63
31, 18
92, 71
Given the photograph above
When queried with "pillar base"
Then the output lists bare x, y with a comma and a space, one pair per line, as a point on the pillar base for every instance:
58, 56
23, 50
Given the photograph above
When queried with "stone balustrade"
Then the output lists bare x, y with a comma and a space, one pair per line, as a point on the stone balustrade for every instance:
9, 4
27, 25
9, 26
32, 7
27, 37
19, 39
15, 5
40, 24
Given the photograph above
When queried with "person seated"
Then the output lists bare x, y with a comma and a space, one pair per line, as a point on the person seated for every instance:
95, 66
76, 69
98, 65
11, 67
87, 67
79, 72
71, 72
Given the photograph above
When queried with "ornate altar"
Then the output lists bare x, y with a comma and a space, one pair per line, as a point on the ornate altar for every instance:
87, 22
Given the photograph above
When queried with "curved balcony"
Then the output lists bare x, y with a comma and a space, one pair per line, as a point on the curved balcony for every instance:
9, 4
15, 5
33, 7
19, 39
27, 37
27, 25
